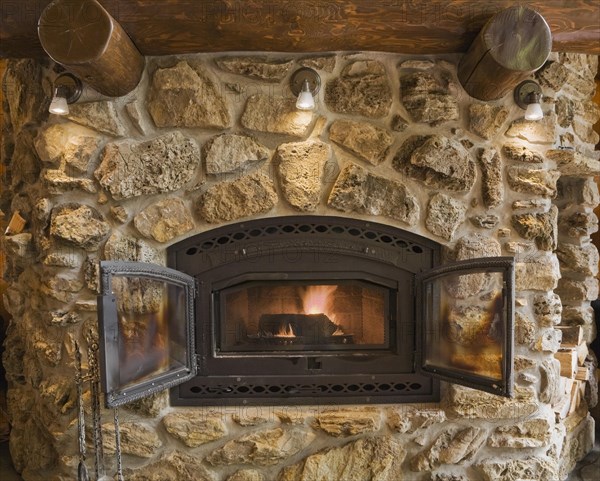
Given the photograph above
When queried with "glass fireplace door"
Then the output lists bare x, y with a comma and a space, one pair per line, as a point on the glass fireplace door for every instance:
466, 323
146, 315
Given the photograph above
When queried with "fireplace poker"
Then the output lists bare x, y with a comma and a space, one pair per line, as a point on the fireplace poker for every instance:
82, 472
96, 420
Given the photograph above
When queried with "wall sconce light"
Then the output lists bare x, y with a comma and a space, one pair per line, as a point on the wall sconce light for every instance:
305, 84
528, 96
66, 90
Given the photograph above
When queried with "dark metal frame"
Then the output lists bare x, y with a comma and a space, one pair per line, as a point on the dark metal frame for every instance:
306, 248
117, 394
504, 265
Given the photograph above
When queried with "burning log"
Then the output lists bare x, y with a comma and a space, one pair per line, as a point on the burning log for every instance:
312, 327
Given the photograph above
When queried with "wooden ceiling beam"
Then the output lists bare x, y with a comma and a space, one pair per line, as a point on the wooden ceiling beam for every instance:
163, 27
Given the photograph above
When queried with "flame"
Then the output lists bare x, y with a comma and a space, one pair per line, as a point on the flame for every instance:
286, 331
317, 300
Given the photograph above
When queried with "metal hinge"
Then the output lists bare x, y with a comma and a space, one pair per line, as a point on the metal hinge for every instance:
196, 288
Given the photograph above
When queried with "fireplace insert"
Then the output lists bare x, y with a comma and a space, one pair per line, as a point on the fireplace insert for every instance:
304, 310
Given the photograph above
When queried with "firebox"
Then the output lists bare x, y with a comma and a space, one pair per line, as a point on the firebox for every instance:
299, 310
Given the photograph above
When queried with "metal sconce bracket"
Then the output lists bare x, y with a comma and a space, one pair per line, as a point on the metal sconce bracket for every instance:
68, 85
302, 74
523, 93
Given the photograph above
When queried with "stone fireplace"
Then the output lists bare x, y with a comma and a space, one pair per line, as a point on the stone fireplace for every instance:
213, 143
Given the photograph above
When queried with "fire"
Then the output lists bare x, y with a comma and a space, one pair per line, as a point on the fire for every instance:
318, 299
286, 331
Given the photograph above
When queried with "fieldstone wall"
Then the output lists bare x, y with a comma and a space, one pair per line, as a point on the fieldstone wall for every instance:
208, 139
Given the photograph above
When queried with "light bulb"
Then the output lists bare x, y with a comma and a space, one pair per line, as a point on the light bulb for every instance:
305, 101
59, 105
534, 112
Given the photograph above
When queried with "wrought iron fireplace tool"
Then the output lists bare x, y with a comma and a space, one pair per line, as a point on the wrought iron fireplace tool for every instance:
82, 471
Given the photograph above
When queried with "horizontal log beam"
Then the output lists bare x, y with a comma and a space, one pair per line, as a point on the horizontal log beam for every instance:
162, 27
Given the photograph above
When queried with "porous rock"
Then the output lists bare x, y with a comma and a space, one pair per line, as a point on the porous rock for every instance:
99, 116
186, 96
533, 181
194, 428
275, 115
79, 225
172, 466
444, 215
363, 139
367, 458
492, 187
261, 68
438, 161
164, 220
539, 227
232, 152
249, 195
348, 422
300, 170
163, 164
362, 89
357, 190
262, 448
426, 100
486, 120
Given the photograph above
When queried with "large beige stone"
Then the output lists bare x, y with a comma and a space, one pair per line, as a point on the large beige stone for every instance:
232, 152
324, 62
258, 67
574, 290
469, 403
535, 131
578, 224
529, 468
137, 439
410, 419
579, 441
542, 228
582, 259
492, 187
573, 163
276, 115
521, 153
538, 273
557, 76
57, 182
79, 225
172, 466
348, 422
578, 190
67, 143
246, 475
149, 406
377, 459
547, 308
438, 161
187, 96
450, 448
249, 195
357, 190
99, 116
120, 247
194, 428
164, 220
300, 171
163, 164
262, 448
362, 88
426, 100
444, 215
363, 139
486, 120
533, 181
